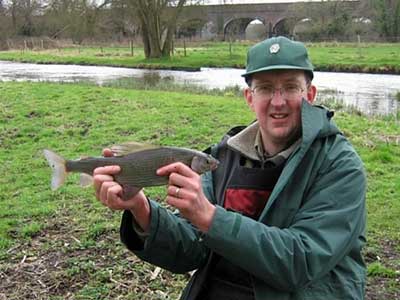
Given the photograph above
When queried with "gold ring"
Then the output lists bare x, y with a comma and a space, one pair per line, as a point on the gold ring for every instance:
177, 192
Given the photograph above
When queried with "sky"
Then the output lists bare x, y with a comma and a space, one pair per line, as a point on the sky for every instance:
252, 1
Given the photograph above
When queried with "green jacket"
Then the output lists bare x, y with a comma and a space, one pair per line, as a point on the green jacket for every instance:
307, 242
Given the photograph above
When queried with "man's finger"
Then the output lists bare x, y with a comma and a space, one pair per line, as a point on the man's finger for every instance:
99, 179
108, 170
113, 193
177, 167
107, 152
104, 190
179, 180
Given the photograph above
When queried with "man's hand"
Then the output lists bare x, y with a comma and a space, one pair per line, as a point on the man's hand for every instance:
185, 192
110, 194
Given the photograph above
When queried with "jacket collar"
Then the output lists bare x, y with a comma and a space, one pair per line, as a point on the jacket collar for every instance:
246, 142
316, 123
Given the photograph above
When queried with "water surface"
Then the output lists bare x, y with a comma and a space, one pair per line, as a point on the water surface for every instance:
369, 93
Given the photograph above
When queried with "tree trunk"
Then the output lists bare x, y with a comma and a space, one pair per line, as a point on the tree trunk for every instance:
171, 27
158, 24
14, 15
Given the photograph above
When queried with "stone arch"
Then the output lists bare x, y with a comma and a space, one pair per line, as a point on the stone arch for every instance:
256, 31
284, 26
301, 28
236, 27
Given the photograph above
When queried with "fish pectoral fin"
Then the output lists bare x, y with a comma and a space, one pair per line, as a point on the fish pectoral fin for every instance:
130, 147
129, 191
86, 180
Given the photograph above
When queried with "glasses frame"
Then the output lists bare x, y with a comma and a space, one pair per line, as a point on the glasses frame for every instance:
281, 92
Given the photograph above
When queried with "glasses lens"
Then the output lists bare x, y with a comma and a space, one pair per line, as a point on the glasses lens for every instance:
291, 92
264, 91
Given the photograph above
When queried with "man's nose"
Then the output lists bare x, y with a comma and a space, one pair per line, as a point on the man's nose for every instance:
277, 98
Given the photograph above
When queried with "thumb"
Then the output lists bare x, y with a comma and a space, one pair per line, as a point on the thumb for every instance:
107, 152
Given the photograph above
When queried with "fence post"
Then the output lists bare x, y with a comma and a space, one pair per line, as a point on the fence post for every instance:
230, 45
131, 46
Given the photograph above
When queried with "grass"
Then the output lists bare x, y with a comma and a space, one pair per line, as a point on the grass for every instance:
366, 57
64, 244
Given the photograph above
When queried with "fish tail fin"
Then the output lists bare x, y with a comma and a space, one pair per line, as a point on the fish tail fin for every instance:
57, 164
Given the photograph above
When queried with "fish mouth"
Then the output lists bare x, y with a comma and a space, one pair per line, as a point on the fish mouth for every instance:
214, 164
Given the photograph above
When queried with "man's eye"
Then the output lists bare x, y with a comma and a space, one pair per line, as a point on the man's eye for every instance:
291, 88
265, 89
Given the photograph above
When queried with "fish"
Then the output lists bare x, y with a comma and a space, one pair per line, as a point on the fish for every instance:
138, 163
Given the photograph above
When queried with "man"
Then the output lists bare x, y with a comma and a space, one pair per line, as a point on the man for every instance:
283, 216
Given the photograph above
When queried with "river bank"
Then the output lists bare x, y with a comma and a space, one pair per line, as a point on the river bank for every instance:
336, 57
65, 244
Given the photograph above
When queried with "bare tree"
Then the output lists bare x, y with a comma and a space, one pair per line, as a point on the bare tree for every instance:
157, 19
74, 18
326, 20
22, 14
387, 16
3, 26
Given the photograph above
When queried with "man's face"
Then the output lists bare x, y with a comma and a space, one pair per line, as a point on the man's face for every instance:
279, 117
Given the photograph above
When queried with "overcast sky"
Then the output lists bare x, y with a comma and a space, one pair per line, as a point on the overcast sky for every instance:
252, 1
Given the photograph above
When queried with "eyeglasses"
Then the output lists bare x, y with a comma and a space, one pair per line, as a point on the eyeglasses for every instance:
288, 92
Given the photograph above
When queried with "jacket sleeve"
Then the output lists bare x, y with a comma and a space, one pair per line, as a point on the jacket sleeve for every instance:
326, 227
172, 243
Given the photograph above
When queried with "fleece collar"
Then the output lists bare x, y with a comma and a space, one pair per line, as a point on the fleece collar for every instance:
247, 142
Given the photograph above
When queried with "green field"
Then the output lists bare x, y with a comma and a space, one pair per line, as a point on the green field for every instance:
65, 245
365, 57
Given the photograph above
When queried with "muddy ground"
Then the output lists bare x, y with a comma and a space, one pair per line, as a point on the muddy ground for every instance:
56, 264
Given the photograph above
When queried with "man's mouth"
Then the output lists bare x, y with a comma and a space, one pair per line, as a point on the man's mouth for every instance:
278, 116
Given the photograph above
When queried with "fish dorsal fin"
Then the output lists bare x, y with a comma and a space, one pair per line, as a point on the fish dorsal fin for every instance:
130, 147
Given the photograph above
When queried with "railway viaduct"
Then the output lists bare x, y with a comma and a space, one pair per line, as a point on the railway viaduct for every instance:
278, 18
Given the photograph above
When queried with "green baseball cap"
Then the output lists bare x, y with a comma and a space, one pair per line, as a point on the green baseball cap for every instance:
278, 53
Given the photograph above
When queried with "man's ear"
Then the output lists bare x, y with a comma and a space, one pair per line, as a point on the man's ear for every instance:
311, 93
248, 95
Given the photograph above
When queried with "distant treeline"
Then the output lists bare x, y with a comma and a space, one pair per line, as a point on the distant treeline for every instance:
22, 22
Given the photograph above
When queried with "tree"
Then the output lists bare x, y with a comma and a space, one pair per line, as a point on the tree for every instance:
387, 14
157, 20
74, 18
22, 14
323, 20
3, 25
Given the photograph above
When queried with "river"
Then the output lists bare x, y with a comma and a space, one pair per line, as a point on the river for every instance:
369, 93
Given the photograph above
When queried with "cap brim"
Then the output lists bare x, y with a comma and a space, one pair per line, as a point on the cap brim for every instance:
276, 67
